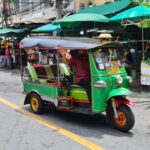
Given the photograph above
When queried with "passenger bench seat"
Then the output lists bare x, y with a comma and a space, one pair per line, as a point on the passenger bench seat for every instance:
34, 76
49, 71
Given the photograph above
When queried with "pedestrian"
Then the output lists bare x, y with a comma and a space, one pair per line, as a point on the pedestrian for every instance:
147, 54
8, 56
128, 61
40, 56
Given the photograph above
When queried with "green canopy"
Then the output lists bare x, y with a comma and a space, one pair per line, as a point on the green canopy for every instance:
78, 20
107, 9
47, 28
144, 23
135, 13
10, 30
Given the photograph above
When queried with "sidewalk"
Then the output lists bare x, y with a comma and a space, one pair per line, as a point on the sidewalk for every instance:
140, 91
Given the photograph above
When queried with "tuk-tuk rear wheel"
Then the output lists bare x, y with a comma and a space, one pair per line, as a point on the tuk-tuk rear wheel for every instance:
126, 119
37, 105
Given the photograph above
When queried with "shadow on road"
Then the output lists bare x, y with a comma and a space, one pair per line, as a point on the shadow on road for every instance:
148, 107
84, 125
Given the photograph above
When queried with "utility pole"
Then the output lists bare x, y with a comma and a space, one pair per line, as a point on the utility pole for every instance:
58, 9
4, 13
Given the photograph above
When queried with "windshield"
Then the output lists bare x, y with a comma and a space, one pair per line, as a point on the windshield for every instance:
106, 58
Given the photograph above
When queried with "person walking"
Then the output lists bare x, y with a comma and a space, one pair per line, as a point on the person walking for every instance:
128, 61
8, 56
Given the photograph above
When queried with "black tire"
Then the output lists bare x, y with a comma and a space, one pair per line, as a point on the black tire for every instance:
126, 115
36, 103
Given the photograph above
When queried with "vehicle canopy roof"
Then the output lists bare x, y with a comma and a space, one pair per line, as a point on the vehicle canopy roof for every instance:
54, 43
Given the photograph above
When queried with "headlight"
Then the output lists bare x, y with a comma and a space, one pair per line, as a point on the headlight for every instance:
100, 84
129, 79
119, 79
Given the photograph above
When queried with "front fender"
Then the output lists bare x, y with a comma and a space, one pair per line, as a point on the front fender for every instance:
27, 98
118, 92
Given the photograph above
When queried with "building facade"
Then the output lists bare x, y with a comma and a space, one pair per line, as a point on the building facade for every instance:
41, 11
15, 12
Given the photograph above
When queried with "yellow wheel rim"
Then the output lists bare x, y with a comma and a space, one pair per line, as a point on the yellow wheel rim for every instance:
34, 103
122, 119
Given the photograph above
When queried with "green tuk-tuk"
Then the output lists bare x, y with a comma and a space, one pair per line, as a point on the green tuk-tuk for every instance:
49, 84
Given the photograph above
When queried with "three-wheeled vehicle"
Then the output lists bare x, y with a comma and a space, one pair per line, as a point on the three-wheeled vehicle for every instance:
49, 84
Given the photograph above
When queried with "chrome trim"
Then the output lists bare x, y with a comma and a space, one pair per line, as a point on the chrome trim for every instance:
49, 99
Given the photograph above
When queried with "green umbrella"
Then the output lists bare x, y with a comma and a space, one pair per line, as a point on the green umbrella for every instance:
135, 13
47, 28
79, 20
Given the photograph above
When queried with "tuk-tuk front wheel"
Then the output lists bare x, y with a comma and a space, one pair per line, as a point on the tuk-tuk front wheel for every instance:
125, 120
36, 103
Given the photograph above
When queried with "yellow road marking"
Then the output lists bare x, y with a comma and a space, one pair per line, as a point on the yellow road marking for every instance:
53, 126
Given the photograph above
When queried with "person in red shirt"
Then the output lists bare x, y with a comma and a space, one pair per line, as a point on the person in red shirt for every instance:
8, 56
80, 62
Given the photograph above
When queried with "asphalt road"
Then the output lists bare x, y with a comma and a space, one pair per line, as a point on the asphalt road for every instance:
21, 131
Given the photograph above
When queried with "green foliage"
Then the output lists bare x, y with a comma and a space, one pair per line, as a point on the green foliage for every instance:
147, 61
138, 2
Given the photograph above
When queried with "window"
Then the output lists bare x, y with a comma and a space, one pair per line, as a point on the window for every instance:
106, 58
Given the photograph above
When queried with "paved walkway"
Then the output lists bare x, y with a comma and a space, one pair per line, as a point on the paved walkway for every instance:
138, 90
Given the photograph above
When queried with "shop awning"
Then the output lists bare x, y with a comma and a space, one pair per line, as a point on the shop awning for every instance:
47, 28
10, 30
107, 9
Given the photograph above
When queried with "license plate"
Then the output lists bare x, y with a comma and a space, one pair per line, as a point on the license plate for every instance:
113, 70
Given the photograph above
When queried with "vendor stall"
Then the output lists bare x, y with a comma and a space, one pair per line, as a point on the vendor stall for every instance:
145, 67
145, 64
145, 72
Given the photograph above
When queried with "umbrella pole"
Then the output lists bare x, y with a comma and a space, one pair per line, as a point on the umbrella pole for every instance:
21, 67
143, 43
58, 69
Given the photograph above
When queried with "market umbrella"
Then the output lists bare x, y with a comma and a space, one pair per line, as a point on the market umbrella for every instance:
135, 13
79, 20
11, 30
47, 28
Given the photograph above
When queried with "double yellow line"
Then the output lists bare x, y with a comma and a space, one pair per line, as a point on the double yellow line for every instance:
53, 126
